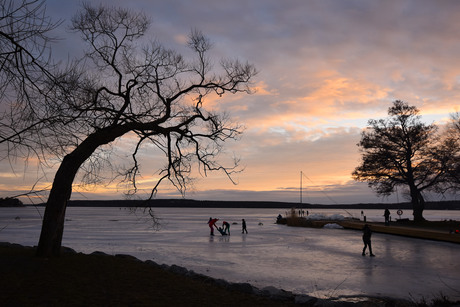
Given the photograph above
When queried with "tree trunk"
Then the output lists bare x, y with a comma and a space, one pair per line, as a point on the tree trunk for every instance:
418, 205
53, 222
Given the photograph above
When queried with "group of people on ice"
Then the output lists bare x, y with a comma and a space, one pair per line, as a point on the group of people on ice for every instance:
225, 229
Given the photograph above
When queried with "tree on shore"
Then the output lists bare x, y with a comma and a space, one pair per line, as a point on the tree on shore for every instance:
402, 151
123, 88
447, 151
455, 170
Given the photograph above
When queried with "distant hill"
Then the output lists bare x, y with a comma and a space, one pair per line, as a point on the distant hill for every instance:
190, 203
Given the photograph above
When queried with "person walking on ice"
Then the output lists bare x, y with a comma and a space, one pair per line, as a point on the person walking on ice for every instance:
243, 226
367, 233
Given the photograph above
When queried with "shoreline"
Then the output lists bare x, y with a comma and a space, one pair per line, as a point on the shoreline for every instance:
444, 231
279, 297
406, 231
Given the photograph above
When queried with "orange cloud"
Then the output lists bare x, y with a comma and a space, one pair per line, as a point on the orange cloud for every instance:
261, 89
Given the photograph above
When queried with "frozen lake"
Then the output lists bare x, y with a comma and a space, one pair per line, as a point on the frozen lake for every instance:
319, 262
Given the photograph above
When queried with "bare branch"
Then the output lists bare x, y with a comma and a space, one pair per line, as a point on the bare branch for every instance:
121, 86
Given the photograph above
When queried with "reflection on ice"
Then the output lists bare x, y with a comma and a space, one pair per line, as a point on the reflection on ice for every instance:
320, 262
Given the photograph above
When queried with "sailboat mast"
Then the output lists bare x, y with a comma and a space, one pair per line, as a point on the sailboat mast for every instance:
300, 187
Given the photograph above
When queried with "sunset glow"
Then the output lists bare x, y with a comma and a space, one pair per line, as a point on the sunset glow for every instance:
325, 69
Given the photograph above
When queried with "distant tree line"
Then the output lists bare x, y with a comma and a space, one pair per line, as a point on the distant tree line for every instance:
10, 202
190, 203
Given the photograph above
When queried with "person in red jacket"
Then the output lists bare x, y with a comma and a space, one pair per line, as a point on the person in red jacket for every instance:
212, 224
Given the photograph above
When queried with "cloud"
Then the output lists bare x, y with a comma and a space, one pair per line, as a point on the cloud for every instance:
325, 68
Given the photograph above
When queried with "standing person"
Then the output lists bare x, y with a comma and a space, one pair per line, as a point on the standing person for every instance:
243, 226
386, 214
226, 227
212, 224
367, 233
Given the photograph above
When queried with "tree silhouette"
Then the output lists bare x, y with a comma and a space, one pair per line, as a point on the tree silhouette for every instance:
403, 151
24, 67
447, 154
124, 88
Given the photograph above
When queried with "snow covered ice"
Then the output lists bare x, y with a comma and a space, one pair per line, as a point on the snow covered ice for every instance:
319, 262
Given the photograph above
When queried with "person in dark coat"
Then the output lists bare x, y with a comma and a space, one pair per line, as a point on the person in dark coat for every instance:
226, 227
243, 226
386, 214
221, 230
367, 233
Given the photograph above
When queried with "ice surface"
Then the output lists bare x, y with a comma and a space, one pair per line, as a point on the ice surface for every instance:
320, 262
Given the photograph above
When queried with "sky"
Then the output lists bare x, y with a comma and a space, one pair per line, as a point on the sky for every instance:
325, 68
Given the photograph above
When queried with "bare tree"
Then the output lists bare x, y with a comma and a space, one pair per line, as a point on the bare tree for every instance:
123, 87
455, 170
24, 64
447, 153
402, 151
24, 43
